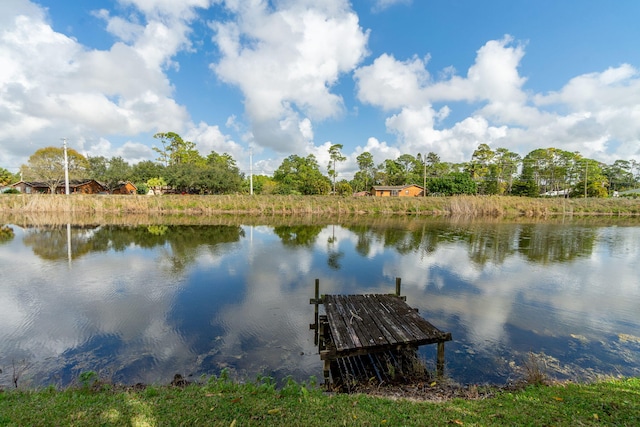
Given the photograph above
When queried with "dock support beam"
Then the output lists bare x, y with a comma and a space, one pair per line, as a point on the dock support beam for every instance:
440, 360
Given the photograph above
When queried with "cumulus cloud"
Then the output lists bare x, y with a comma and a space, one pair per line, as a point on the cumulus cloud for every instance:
292, 63
210, 138
132, 152
285, 61
595, 114
390, 83
53, 85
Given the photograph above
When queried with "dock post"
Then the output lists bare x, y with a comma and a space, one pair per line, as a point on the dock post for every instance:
317, 298
316, 301
326, 372
440, 361
398, 280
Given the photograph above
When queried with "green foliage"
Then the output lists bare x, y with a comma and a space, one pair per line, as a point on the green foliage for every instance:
493, 171
88, 379
300, 175
262, 184
184, 170
47, 165
175, 150
11, 191
550, 169
156, 183
390, 172
594, 182
109, 172
145, 170
620, 175
336, 156
364, 178
142, 187
527, 188
454, 183
6, 177
6, 233
343, 188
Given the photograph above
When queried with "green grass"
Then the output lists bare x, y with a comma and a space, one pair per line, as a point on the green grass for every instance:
219, 402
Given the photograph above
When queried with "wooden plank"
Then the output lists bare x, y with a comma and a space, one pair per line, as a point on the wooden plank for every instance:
347, 313
339, 334
405, 316
361, 323
398, 335
381, 322
407, 332
338, 323
419, 327
357, 323
370, 332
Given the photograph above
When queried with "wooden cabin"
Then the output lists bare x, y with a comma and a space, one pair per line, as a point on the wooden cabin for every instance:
409, 190
125, 188
76, 186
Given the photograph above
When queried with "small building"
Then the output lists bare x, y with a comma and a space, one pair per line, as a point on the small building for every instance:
124, 188
31, 187
76, 186
409, 190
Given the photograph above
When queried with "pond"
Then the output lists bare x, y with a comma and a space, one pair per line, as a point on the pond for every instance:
142, 303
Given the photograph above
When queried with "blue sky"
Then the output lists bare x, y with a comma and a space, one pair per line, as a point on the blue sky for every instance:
286, 77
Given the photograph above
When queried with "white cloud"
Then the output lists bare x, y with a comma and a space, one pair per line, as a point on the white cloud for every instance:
416, 133
493, 77
209, 138
392, 84
380, 5
291, 61
285, 61
53, 85
132, 152
595, 114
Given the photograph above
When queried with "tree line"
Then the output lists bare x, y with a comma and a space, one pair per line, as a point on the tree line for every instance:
180, 168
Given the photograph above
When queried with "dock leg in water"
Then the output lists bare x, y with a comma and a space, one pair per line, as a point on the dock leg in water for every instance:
440, 361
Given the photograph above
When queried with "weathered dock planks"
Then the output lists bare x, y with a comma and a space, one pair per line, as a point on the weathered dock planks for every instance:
363, 323
357, 325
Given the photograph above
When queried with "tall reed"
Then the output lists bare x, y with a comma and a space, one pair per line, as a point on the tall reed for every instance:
472, 206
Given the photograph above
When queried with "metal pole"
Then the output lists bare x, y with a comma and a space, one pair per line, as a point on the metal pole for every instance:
424, 178
69, 242
251, 171
66, 167
586, 166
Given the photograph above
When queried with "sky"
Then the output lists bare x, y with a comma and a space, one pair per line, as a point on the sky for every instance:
262, 80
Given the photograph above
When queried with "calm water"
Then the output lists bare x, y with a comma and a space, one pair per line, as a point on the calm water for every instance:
139, 304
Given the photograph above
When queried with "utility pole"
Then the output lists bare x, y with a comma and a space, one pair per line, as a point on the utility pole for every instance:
424, 177
586, 166
66, 167
251, 170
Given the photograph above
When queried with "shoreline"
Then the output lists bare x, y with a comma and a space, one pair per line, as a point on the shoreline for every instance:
272, 205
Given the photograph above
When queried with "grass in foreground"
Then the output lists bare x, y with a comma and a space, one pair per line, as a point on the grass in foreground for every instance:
220, 402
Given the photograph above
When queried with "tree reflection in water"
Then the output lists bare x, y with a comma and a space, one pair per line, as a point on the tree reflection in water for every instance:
147, 301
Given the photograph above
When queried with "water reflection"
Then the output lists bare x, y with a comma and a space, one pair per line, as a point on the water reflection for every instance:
144, 302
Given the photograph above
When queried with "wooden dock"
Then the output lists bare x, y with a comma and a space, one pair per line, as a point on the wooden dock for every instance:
359, 325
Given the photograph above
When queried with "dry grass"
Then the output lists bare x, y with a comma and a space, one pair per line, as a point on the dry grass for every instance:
535, 370
467, 206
